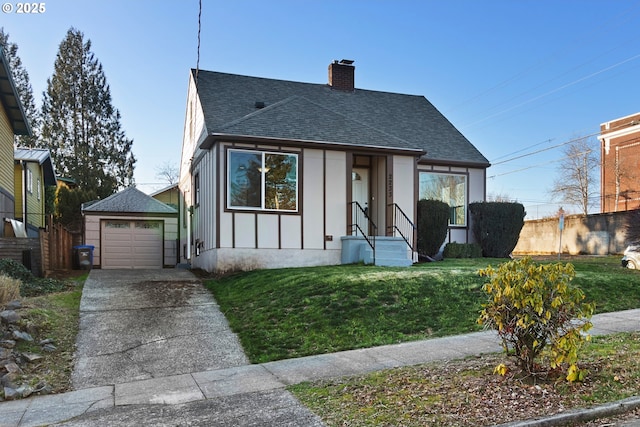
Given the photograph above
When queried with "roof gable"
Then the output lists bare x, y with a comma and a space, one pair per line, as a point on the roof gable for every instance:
10, 99
308, 111
130, 200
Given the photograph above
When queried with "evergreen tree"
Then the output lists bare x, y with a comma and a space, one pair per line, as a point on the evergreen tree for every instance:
25, 92
80, 125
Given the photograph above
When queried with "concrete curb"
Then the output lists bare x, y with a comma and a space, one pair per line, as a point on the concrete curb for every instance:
581, 415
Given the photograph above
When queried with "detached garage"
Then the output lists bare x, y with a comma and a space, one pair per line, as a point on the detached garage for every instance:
130, 229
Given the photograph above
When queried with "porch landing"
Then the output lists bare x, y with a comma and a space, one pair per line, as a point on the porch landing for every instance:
390, 251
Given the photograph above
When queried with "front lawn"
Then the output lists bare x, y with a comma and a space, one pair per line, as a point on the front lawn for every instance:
296, 312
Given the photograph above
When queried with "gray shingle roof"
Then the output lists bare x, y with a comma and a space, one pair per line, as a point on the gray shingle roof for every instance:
130, 200
315, 112
41, 156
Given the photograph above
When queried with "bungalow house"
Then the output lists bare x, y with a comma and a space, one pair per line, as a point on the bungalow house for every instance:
13, 121
282, 174
33, 172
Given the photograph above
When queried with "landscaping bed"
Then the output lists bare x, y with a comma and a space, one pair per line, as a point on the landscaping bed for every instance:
468, 393
37, 336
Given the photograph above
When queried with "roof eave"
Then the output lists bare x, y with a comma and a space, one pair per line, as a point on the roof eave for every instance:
449, 162
123, 213
213, 138
11, 101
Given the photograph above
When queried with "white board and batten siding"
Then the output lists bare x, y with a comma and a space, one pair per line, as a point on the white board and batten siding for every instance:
267, 240
132, 242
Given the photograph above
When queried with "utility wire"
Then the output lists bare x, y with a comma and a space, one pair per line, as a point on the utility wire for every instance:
199, 30
558, 89
620, 126
521, 150
613, 21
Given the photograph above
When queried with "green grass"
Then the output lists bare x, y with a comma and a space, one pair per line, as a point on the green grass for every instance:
288, 313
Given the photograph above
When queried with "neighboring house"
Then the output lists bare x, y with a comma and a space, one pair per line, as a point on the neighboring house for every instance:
169, 195
13, 121
33, 171
130, 229
282, 174
69, 183
620, 164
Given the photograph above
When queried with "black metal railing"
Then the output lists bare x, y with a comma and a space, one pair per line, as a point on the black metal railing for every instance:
361, 224
403, 226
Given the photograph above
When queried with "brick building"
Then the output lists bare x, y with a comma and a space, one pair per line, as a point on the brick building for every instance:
620, 164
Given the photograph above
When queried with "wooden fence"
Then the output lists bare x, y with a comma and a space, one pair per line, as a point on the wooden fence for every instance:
52, 250
57, 246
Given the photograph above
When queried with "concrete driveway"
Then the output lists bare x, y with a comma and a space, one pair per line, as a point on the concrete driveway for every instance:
141, 324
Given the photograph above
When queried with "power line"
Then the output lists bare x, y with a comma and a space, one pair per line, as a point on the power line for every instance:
521, 150
580, 42
199, 30
622, 125
558, 89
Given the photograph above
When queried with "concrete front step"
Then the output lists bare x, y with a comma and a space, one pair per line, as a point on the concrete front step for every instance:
390, 251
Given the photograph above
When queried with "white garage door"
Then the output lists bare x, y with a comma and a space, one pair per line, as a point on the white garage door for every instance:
131, 244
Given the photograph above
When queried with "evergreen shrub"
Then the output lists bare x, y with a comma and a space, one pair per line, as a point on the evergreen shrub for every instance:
432, 224
497, 226
462, 250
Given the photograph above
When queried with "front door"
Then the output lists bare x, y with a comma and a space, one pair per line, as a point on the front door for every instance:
360, 193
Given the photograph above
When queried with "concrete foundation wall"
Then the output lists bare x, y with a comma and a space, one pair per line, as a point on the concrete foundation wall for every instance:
243, 259
598, 234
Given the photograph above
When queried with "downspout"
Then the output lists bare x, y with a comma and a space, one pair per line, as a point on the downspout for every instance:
24, 193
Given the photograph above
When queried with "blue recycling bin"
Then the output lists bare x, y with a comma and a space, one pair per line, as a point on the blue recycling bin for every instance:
83, 257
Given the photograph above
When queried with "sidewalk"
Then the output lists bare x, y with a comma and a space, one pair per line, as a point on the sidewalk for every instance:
209, 391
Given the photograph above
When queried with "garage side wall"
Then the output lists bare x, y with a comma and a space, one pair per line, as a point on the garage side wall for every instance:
169, 248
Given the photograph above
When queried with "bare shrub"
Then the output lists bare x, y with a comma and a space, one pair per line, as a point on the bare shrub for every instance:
9, 289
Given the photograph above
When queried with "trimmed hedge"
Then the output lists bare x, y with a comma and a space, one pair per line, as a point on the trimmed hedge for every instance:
462, 250
432, 224
497, 226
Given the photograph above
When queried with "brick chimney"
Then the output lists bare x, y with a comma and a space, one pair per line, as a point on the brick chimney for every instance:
341, 75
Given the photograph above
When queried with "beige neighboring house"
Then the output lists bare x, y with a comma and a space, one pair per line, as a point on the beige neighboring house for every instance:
169, 195
278, 173
131, 229
13, 121
33, 172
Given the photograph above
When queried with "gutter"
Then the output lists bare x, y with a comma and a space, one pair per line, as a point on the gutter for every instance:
212, 138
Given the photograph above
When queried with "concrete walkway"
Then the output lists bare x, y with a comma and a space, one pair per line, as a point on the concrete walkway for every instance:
248, 395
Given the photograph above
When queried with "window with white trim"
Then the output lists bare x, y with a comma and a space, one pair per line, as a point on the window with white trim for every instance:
449, 188
262, 180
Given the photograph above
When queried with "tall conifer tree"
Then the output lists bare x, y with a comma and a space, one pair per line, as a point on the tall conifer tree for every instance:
23, 86
80, 125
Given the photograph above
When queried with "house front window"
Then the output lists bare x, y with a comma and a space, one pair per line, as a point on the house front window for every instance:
448, 188
258, 180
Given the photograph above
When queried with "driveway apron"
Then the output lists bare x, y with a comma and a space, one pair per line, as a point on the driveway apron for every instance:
141, 324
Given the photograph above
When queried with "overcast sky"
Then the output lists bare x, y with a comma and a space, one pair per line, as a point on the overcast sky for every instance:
513, 76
